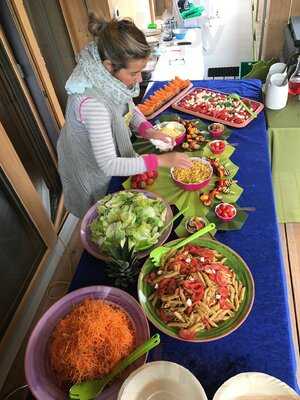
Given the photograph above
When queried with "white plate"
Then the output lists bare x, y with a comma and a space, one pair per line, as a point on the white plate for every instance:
250, 384
161, 380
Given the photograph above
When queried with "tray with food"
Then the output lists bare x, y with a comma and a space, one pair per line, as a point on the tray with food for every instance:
162, 98
227, 108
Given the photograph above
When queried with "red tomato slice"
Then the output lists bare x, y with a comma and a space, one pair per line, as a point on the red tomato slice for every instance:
187, 334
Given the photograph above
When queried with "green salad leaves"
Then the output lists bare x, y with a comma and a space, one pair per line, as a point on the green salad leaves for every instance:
128, 217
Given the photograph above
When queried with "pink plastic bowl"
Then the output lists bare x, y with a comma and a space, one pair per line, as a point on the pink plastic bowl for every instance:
39, 376
215, 150
180, 139
225, 219
194, 186
216, 133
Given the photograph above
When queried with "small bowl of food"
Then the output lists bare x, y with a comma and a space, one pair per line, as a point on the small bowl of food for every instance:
197, 177
216, 129
225, 211
172, 129
162, 380
217, 146
194, 224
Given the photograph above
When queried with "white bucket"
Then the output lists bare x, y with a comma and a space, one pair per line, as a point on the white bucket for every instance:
276, 94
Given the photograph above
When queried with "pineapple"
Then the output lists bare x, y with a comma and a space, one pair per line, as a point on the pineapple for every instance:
123, 266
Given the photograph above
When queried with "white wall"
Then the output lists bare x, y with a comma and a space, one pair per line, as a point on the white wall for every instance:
229, 39
138, 10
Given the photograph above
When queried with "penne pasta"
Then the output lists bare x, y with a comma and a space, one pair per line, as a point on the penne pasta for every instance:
195, 290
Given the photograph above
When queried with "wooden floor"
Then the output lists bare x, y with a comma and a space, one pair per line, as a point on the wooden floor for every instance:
290, 237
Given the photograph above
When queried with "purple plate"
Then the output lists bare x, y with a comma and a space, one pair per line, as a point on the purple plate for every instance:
39, 376
92, 214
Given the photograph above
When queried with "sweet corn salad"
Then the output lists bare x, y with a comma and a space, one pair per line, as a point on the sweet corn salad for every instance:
172, 130
195, 174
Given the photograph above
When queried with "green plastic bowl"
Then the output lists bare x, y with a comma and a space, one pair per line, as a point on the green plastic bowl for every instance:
235, 262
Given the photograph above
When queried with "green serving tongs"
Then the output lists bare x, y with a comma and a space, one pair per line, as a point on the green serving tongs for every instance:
173, 219
89, 390
156, 254
167, 226
235, 96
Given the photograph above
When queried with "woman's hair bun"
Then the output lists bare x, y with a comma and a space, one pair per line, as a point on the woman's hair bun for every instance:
96, 24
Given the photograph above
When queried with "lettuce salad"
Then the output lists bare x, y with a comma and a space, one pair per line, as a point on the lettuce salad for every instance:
128, 217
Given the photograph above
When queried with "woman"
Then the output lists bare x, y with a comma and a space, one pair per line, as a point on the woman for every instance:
95, 144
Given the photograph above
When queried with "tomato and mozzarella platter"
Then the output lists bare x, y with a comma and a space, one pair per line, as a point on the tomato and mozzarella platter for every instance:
218, 106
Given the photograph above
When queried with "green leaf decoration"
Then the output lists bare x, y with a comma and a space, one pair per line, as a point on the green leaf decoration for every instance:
227, 153
235, 193
167, 188
236, 224
168, 117
143, 146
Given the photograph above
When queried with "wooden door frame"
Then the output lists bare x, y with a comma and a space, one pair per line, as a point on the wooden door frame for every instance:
29, 198
27, 94
76, 19
22, 185
38, 63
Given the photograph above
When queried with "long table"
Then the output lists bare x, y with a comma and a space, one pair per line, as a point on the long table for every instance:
264, 342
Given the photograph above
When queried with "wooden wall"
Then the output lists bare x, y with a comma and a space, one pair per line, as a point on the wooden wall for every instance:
76, 16
278, 13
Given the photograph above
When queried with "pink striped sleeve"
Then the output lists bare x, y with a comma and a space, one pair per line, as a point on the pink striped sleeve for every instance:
151, 161
139, 122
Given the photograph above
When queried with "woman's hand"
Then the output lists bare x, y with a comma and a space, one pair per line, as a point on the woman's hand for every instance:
174, 159
152, 133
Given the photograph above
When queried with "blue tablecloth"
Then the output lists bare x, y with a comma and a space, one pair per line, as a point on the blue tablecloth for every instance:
263, 343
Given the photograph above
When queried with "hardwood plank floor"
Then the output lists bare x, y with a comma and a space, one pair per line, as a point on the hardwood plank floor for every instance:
290, 237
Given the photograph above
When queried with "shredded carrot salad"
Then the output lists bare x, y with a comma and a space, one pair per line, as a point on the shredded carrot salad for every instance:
90, 341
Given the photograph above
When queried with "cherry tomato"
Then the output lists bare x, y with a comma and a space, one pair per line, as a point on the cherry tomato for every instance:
150, 181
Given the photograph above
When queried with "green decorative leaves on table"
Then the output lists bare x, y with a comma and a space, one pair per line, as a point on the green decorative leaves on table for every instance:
236, 224
144, 146
202, 126
227, 153
167, 188
233, 195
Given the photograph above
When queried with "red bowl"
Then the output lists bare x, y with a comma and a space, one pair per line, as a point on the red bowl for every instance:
217, 150
194, 186
222, 217
216, 129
